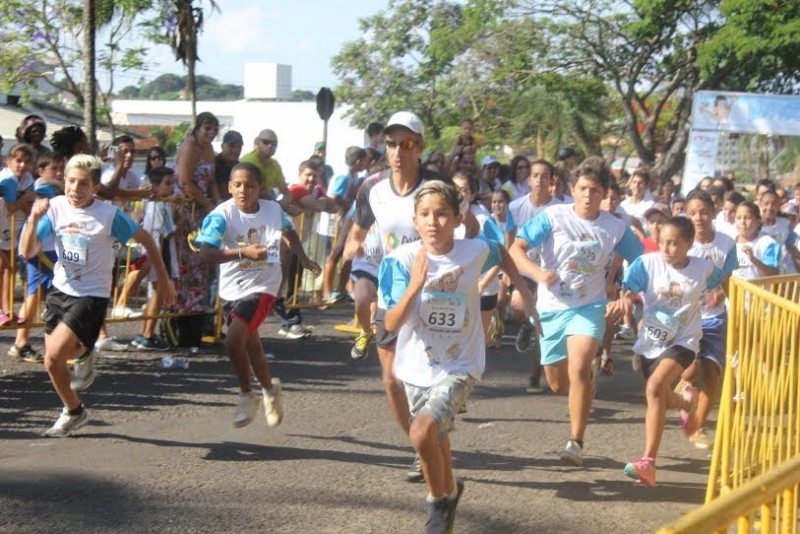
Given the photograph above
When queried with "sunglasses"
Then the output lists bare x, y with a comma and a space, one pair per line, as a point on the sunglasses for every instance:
408, 144
268, 142
155, 157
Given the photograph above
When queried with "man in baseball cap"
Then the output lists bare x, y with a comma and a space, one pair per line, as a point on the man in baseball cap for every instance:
407, 120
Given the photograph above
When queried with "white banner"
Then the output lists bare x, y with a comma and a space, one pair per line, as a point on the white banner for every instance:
746, 113
701, 158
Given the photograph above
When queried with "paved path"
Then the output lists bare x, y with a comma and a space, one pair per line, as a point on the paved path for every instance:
161, 454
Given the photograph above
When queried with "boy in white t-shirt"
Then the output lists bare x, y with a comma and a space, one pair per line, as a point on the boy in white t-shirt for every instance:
429, 289
243, 235
85, 230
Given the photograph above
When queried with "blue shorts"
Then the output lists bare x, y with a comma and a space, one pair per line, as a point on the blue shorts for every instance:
586, 320
712, 344
39, 274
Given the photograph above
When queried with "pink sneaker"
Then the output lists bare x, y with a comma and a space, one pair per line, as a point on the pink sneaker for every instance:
690, 394
4, 318
643, 470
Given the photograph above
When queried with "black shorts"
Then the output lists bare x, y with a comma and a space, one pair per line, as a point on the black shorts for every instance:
680, 354
488, 302
83, 315
383, 338
251, 310
358, 274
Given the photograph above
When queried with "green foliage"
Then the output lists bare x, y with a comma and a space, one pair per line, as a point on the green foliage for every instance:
760, 42
171, 86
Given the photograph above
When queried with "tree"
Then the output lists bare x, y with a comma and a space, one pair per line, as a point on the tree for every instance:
44, 42
184, 23
406, 59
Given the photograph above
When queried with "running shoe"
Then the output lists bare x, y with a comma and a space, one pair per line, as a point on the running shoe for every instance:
66, 424
438, 513
701, 439
414, 473
83, 372
273, 405
246, 409
572, 454
524, 336
534, 386
643, 470
361, 346
626, 332
152, 343
296, 331
125, 312
334, 298
110, 344
27, 353
451, 514
690, 394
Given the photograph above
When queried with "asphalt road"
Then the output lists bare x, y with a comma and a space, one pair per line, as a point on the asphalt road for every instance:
161, 454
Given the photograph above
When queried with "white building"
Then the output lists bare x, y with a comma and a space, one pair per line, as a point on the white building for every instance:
296, 124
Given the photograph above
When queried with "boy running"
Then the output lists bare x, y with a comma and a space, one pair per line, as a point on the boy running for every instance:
244, 235
429, 290
84, 231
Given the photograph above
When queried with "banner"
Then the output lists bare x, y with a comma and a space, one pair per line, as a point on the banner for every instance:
746, 113
701, 158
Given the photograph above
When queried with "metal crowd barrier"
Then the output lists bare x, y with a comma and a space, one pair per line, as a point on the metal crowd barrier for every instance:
754, 474
299, 291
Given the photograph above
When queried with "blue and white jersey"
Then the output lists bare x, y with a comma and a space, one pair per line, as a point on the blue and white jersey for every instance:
45, 190
442, 334
672, 301
10, 190
637, 209
523, 211
765, 249
370, 260
490, 231
782, 232
84, 239
578, 250
227, 227
721, 251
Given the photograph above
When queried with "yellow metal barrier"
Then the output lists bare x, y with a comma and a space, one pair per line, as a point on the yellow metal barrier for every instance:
755, 466
767, 503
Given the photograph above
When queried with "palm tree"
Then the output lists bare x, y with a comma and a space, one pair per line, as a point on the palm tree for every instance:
184, 22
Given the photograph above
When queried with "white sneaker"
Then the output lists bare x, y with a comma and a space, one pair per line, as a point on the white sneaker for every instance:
125, 312
83, 372
110, 344
572, 454
246, 409
66, 423
626, 332
273, 405
296, 331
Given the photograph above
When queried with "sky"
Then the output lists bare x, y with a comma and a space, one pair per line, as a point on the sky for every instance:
302, 33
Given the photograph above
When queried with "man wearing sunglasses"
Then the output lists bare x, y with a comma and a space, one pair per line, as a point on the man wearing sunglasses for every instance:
273, 185
388, 202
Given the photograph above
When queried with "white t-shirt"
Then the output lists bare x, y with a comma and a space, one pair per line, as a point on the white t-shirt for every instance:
721, 252
783, 233
516, 190
227, 227
579, 251
442, 333
523, 210
84, 239
157, 220
637, 209
129, 181
722, 225
370, 261
766, 249
672, 301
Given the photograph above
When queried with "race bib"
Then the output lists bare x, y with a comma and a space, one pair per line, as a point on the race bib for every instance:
444, 312
660, 328
274, 252
75, 249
